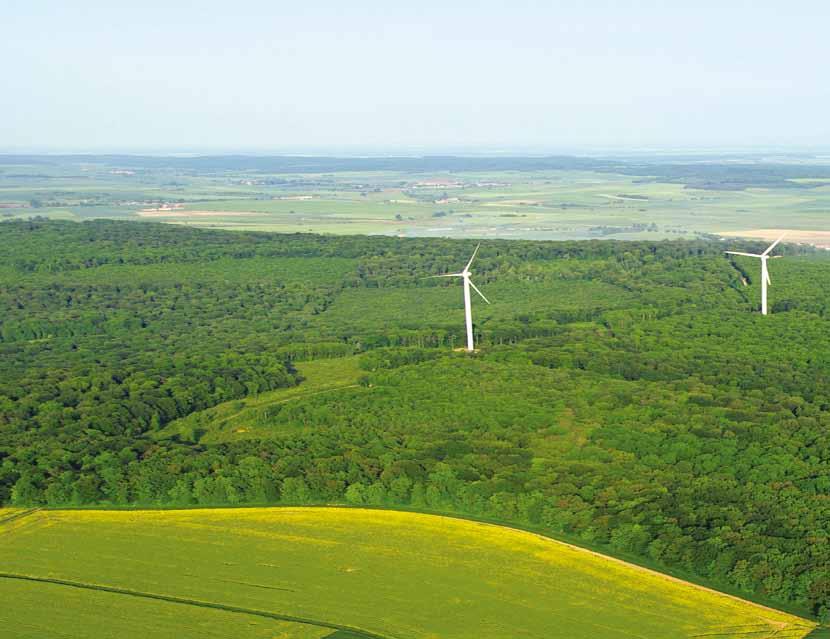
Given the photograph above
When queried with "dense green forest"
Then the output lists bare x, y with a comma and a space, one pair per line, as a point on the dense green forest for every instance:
627, 394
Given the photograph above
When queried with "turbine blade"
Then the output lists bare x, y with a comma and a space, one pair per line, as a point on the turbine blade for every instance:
774, 244
429, 277
769, 281
475, 288
744, 254
467, 268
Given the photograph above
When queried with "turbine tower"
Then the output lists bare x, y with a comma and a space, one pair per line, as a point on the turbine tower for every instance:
765, 281
465, 275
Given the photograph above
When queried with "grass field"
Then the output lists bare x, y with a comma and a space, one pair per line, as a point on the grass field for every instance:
29, 612
388, 574
556, 205
550, 204
241, 419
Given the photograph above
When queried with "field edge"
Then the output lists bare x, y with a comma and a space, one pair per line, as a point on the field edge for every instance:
636, 563
357, 632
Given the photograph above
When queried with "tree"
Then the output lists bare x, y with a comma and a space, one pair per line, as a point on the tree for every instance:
356, 494
25, 492
295, 491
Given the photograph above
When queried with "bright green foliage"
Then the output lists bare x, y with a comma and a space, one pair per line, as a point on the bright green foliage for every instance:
243, 419
627, 395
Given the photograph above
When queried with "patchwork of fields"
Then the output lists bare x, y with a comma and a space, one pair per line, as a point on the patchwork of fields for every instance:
299, 573
563, 204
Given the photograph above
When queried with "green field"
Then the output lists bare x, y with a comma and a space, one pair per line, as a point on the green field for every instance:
639, 202
243, 419
384, 573
560, 205
38, 610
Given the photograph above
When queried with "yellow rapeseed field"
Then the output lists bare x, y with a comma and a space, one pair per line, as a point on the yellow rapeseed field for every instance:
392, 574
31, 610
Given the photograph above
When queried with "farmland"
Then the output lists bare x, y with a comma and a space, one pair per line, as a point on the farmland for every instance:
336, 565
36, 610
562, 199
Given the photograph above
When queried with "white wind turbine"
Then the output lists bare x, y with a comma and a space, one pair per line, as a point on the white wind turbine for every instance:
465, 274
765, 281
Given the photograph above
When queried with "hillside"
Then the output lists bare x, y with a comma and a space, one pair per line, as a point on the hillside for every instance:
627, 396
374, 573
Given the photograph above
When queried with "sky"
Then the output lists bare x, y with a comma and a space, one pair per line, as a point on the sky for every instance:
313, 76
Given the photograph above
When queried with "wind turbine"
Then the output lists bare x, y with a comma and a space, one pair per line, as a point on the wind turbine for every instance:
765, 281
465, 275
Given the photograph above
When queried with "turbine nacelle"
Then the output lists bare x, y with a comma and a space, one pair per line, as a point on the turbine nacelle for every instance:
765, 279
468, 283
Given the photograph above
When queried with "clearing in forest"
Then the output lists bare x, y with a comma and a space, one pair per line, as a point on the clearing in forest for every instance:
356, 572
244, 418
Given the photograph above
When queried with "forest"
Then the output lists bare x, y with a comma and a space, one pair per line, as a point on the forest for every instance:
627, 395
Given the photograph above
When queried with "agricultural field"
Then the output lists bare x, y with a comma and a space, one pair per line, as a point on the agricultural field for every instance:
577, 199
368, 573
41, 610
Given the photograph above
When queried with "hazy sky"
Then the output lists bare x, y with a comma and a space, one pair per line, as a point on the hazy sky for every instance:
355, 74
